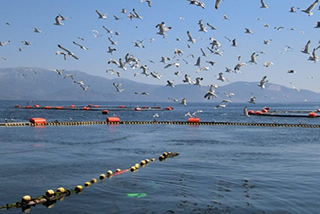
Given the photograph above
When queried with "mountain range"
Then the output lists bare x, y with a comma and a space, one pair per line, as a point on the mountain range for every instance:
29, 83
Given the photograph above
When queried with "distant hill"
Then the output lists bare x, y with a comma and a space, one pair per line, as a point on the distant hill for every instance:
24, 83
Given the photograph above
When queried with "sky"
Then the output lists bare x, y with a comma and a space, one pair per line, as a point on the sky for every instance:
288, 34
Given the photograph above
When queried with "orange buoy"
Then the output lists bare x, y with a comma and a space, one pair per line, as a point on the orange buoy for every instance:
36, 106
122, 106
86, 108
72, 106
169, 108
267, 108
47, 107
105, 111
194, 120
258, 112
28, 107
113, 119
264, 110
157, 107
251, 112
95, 106
145, 107
137, 109
317, 110
312, 114
38, 120
59, 107
90, 105
17, 106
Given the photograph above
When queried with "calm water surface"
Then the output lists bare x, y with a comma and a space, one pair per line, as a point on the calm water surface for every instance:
220, 169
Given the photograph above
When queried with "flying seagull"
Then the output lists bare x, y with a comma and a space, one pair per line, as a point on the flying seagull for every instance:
68, 52
310, 8
210, 93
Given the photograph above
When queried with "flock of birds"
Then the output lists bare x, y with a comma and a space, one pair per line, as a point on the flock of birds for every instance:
130, 61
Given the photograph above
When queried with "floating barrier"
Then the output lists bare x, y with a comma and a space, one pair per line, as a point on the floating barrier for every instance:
116, 121
50, 197
38, 121
113, 119
194, 120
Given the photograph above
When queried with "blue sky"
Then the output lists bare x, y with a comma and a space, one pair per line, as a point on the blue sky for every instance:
297, 29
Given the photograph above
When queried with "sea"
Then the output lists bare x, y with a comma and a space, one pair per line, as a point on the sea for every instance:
219, 169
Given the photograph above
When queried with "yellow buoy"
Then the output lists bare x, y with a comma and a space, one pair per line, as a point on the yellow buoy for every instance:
61, 190
26, 198
109, 173
147, 160
143, 162
102, 176
161, 157
153, 159
78, 188
133, 168
87, 184
137, 166
165, 154
93, 180
118, 170
49, 192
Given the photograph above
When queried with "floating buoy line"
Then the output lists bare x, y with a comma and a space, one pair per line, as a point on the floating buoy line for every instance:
50, 197
35, 122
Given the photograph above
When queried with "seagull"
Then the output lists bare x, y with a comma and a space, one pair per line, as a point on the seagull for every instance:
172, 64
190, 37
184, 102
177, 73
202, 27
313, 56
306, 48
198, 81
245, 111
68, 75
117, 86
111, 50
294, 87
210, 93
253, 58
187, 79
217, 4
221, 105
68, 52
113, 72
164, 59
4, 43
36, 30
221, 77
173, 99
155, 75
58, 52
310, 8
26, 42
162, 29
58, 20
211, 27
170, 83
291, 71
239, 65
267, 64
136, 15
144, 70
317, 25
80, 82
202, 69
85, 88
198, 62
101, 16
263, 82
267, 42
81, 46
58, 71
112, 42
263, 5
148, 1
248, 31
252, 100
292, 9
178, 52
197, 3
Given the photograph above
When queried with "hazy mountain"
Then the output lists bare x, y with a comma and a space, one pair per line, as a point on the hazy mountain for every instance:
41, 84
